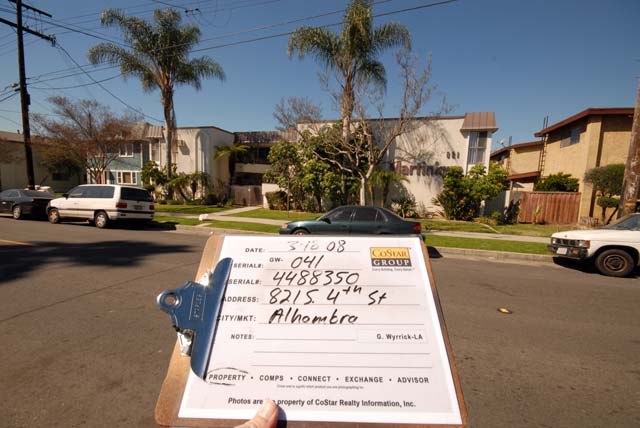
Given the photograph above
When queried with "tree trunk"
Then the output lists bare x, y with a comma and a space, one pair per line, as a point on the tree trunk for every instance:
346, 110
363, 190
632, 169
167, 103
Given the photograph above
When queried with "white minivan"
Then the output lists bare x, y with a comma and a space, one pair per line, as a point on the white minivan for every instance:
102, 203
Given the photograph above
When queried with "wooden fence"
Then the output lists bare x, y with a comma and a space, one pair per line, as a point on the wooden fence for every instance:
548, 207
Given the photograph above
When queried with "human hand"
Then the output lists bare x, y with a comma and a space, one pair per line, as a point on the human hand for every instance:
266, 417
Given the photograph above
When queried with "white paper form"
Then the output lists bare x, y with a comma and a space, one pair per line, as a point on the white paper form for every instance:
341, 329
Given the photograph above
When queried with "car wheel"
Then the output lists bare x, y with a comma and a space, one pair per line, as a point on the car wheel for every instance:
54, 216
300, 232
17, 212
101, 219
615, 262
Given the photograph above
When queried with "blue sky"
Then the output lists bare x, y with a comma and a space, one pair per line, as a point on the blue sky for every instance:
522, 59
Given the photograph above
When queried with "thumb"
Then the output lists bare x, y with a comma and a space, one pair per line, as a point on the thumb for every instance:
267, 416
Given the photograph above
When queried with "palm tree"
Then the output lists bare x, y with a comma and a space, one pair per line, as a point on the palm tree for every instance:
232, 151
352, 54
159, 57
384, 180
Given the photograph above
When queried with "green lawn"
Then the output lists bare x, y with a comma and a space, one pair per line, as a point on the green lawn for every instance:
253, 227
444, 225
486, 244
431, 240
278, 215
190, 209
458, 226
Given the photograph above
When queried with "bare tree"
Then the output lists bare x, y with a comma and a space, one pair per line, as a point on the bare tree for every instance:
85, 133
373, 135
296, 110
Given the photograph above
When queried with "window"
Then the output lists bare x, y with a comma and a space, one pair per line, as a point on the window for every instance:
126, 151
99, 192
127, 177
155, 151
477, 147
365, 214
135, 194
570, 137
341, 214
76, 192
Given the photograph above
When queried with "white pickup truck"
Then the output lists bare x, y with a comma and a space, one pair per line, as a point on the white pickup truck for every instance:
614, 249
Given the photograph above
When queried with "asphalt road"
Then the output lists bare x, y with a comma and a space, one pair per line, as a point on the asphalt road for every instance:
84, 345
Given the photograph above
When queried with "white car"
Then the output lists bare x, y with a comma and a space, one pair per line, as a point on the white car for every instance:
102, 203
614, 249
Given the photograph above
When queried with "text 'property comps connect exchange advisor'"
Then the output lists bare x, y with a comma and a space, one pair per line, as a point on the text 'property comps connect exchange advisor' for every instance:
342, 329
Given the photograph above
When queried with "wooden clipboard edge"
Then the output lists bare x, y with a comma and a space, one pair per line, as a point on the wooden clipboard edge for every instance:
445, 334
173, 386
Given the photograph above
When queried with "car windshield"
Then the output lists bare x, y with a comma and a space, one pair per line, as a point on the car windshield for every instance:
630, 222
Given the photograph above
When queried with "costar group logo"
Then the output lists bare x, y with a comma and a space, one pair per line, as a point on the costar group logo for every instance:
390, 256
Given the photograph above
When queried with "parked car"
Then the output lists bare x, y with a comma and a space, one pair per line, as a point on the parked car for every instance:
354, 220
102, 204
613, 249
20, 202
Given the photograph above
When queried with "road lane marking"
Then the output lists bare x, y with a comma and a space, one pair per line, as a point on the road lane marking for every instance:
6, 241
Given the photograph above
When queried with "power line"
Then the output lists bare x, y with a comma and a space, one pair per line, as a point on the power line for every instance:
240, 42
10, 96
250, 30
79, 85
85, 32
105, 89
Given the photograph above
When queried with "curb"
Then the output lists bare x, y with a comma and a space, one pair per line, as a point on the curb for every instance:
434, 252
492, 255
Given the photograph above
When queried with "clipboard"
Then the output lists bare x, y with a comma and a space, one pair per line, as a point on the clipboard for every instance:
175, 383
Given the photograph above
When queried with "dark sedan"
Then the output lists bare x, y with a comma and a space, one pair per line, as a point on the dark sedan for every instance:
19, 202
354, 220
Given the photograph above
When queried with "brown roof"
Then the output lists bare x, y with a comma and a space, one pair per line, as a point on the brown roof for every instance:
480, 121
500, 151
583, 114
265, 137
527, 145
518, 146
524, 175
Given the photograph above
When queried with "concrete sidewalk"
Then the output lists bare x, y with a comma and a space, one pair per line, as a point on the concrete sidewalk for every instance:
228, 216
433, 252
496, 236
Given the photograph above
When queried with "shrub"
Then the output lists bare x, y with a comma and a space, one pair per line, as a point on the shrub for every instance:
559, 182
510, 215
277, 200
405, 206
210, 199
173, 202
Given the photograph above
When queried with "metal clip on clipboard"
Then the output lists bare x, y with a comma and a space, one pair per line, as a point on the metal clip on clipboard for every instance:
194, 309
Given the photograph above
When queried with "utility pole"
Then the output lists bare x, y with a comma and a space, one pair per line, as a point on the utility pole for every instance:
632, 169
24, 95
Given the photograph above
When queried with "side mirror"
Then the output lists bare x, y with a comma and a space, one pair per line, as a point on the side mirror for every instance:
65, 195
326, 220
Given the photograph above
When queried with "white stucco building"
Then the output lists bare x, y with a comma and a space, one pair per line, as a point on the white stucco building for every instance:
423, 154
